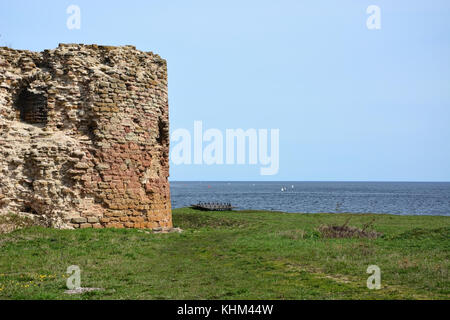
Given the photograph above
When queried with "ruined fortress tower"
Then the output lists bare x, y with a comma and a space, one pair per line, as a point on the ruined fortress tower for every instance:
84, 137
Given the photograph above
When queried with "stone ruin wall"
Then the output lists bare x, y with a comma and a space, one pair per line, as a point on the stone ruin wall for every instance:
84, 137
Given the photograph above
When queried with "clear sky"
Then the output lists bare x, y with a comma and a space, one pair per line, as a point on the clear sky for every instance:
350, 103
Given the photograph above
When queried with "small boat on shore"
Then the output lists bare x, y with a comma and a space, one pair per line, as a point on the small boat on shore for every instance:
212, 206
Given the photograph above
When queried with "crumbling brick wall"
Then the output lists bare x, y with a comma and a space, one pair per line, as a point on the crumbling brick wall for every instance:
84, 137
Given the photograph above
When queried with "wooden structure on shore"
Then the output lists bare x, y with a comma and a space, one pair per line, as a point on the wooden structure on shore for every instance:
212, 206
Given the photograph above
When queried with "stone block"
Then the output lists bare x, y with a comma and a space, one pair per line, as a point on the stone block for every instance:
79, 220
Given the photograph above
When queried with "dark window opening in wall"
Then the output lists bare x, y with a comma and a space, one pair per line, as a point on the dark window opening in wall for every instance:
33, 107
163, 133
90, 130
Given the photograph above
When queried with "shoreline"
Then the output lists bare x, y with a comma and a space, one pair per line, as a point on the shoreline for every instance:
336, 213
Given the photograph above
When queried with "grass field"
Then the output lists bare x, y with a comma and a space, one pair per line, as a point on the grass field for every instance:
233, 255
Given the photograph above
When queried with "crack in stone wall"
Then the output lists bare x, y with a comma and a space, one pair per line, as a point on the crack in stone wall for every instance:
84, 137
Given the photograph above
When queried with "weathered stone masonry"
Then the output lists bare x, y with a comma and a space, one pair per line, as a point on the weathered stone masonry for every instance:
84, 137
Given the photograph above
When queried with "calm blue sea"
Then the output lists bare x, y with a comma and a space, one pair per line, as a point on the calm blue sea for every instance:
412, 198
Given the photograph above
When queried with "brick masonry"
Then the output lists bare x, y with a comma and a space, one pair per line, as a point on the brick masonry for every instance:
84, 137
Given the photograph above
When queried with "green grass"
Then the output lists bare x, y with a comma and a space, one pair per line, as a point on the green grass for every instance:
233, 255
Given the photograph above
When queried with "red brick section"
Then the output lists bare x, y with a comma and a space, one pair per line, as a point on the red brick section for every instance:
104, 149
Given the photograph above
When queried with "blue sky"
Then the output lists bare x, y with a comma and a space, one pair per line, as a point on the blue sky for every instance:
350, 103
